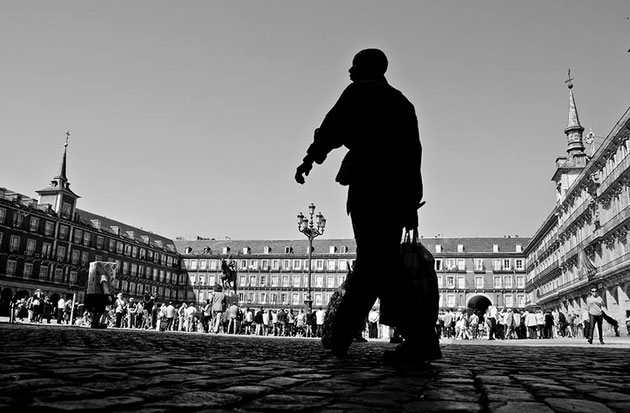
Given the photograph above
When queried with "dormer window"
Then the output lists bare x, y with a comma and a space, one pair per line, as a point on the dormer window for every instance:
495, 248
460, 247
332, 249
267, 250
344, 249
288, 250
438, 248
519, 248
188, 250
226, 250
246, 250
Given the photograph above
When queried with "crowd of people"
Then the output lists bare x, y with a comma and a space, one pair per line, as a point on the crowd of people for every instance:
222, 314
507, 323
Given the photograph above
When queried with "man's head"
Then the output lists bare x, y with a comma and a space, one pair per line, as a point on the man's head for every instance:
594, 291
368, 64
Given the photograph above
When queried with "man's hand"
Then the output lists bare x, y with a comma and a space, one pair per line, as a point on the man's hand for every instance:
303, 169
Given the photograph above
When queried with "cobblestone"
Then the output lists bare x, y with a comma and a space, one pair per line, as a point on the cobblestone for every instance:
60, 368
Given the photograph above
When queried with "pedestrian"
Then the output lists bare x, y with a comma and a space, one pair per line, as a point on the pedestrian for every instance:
100, 289
218, 307
61, 306
382, 171
207, 316
121, 309
319, 315
595, 306
373, 323
132, 308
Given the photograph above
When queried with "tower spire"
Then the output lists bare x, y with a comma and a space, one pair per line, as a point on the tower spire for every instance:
575, 144
62, 170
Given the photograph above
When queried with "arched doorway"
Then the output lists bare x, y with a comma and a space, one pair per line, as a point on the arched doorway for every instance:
479, 304
5, 301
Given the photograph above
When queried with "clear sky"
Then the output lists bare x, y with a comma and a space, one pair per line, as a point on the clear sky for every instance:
189, 117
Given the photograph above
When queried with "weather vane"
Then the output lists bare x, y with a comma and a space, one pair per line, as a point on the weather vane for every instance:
67, 136
568, 81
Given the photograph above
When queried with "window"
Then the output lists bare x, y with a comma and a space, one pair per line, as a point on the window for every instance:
520, 281
266, 250
507, 282
518, 264
318, 299
252, 280
296, 264
330, 281
193, 264
63, 232
438, 248
450, 264
275, 265
263, 280
344, 249
127, 249
18, 219
99, 242
438, 265
66, 210
263, 298
478, 264
43, 272
319, 281
450, 300
296, 299
58, 275
30, 246
296, 280
461, 282
343, 265
283, 298
506, 265
331, 265
3, 215
450, 282
246, 250
288, 250
319, 265
495, 248
461, 265
34, 224
496, 265
125, 268
332, 249
119, 247
479, 282
87, 237
49, 228
111, 245
14, 243
509, 300
439, 281
11, 265
76, 254
28, 269
143, 254
203, 264
285, 280
46, 250
134, 269
213, 265
286, 265
274, 280
460, 247
78, 236
519, 248
497, 282
520, 298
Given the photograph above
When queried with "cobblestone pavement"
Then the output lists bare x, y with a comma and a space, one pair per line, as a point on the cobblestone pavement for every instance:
55, 368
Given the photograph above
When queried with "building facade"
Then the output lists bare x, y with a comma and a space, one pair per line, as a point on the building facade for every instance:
583, 242
47, 244
472, 272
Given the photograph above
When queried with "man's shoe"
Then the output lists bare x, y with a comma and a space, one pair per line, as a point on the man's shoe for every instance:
590, 341
601, 341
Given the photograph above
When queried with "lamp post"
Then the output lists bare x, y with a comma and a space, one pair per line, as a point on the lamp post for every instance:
312, 229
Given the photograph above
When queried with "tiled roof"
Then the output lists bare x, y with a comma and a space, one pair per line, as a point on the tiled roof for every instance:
108, 223
322, 246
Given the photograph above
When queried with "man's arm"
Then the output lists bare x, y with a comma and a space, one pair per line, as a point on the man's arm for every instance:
329, 135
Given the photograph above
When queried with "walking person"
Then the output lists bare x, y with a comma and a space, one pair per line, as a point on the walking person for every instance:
595, 306
61, 306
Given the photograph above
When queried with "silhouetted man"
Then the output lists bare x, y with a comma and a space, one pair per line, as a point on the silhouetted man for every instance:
382, 171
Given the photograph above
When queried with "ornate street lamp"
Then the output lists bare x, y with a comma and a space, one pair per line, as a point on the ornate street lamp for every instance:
312, 229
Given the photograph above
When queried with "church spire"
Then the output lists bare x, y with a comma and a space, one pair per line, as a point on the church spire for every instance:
575, 143
62, 177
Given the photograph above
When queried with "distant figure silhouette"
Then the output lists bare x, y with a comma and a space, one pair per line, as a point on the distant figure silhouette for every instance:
382, 170
228, 279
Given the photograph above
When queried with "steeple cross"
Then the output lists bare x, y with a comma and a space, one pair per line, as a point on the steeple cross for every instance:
568, 81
